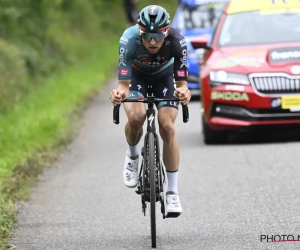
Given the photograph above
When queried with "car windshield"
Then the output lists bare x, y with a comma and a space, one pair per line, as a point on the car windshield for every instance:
258, 27
200, 16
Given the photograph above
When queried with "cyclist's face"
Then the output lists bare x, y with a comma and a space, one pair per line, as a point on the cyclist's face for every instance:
153, 45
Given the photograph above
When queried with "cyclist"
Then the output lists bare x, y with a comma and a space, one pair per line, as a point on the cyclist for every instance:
130, 7
152, 53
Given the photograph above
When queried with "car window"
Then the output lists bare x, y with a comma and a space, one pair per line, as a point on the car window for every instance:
201, 16
260, 28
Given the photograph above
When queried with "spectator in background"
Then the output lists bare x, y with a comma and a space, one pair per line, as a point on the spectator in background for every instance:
131, 11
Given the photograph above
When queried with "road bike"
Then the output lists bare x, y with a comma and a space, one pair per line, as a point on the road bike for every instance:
152, 176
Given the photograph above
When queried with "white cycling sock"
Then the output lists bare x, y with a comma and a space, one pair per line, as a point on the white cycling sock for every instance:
172, 181
133, 151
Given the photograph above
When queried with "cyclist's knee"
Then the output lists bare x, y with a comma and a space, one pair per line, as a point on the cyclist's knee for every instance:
136, 119
167, 130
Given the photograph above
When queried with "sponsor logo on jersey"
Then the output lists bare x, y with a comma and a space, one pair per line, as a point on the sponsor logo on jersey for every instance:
175, 104
183, 59
123, 40
142, 56
122, 57
180, 73
182, 42
124, 72
165, 91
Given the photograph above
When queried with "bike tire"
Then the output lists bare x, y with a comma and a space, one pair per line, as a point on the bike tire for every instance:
152, 179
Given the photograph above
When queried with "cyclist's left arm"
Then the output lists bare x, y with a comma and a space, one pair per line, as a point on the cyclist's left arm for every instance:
180, 69
182, 92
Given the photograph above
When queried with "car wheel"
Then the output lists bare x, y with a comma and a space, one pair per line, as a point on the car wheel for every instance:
211, 136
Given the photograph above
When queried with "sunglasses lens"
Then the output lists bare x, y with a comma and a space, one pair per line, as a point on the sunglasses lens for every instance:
157, 36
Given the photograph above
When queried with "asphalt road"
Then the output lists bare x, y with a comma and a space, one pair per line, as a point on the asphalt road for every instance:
231, 195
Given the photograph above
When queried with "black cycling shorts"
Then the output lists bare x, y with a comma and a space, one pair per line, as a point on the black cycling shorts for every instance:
163, 86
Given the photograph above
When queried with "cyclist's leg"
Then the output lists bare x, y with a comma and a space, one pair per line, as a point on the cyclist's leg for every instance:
167, 113
136, 114
166, 121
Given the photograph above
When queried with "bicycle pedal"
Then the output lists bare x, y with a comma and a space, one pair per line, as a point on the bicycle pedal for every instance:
173, 215
138, 189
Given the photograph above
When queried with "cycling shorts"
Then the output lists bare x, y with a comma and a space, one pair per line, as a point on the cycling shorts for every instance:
163, 86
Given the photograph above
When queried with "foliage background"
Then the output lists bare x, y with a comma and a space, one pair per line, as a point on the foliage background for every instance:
39, 37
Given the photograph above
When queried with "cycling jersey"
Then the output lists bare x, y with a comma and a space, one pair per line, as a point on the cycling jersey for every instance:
133, 54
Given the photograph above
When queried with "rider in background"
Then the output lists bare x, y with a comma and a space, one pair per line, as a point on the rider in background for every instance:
152, 53
130, 7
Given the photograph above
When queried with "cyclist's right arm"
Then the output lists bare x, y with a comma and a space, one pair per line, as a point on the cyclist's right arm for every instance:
127, 45
120, 93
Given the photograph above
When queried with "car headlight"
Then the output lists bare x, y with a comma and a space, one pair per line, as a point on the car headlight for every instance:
218, 78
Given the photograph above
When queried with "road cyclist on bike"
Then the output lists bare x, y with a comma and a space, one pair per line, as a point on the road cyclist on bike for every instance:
152, 52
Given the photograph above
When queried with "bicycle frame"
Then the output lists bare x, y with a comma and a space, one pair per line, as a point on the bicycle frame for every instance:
151, 128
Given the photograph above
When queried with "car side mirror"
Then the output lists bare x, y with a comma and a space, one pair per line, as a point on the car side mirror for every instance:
200, 42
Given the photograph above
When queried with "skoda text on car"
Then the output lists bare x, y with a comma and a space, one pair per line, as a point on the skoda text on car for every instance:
250, 73
194, 18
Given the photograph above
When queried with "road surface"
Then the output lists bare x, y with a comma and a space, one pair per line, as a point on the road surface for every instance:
232, 196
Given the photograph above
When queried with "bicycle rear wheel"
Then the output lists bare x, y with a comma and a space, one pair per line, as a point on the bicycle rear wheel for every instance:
152, 180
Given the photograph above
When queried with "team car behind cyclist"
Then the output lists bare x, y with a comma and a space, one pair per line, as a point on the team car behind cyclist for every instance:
152, 53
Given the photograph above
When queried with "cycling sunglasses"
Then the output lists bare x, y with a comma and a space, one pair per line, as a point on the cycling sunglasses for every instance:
157, 36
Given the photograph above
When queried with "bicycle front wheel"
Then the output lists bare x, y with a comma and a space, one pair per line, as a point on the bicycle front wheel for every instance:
152, 180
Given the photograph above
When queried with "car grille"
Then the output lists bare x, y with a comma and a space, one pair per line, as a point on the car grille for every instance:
274, 84
251, 114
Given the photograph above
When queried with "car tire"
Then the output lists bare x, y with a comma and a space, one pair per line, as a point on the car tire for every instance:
213, 137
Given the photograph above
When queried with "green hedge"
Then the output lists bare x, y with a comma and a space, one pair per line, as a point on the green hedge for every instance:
39, 37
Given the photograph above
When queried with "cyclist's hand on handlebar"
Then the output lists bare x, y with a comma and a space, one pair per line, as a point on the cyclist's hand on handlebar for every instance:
183, 94
118, 95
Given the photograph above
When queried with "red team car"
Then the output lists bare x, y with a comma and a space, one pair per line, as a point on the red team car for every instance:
250, 72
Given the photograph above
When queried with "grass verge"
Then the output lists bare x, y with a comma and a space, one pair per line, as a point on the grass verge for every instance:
34, 132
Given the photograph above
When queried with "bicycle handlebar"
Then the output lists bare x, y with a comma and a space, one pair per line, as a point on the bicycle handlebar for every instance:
185, 110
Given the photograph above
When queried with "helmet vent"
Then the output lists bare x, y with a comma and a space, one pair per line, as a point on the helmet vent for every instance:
162, 19
143, 18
